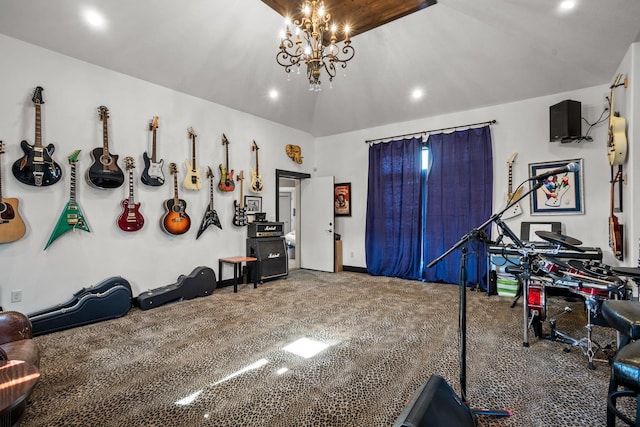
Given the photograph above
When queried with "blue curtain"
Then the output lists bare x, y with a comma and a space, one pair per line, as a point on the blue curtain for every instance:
394, 209
459, 194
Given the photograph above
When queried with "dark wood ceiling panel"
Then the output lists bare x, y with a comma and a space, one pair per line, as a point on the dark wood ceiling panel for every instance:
361, 15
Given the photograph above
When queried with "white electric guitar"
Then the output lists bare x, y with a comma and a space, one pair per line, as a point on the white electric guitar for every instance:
514, 210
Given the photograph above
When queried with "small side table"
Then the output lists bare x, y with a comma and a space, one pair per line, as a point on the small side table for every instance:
236, 261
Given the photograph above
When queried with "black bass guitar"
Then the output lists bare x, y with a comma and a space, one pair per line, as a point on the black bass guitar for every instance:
37, 167
104, 172
210, 216
152, 174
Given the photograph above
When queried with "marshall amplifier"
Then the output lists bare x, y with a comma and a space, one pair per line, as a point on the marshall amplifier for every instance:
265, 229
272, 258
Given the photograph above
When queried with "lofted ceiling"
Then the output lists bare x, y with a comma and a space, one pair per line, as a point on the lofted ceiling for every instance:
463, 54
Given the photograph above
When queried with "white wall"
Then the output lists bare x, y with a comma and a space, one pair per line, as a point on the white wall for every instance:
522, 127
149, 258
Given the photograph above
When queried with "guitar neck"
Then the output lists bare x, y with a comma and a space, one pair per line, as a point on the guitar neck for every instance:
131, 200
510, 190
153, 146
175, 190
72, 187
38, 137
211, 193
193, 153
1, 153
105, 137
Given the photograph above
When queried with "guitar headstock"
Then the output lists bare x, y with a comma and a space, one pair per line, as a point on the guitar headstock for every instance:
225, 141
37, 96
240, 176
512, 159
254, 147
173, 169
103, 112
129, 163
73, 158
209, 172
192, 133
154, 124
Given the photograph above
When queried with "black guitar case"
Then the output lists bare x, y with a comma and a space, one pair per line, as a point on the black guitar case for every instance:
200, 283
109, 299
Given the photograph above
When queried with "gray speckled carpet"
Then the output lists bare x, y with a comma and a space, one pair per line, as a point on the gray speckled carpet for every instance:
219, 360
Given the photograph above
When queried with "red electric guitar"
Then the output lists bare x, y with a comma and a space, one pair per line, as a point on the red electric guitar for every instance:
131, 219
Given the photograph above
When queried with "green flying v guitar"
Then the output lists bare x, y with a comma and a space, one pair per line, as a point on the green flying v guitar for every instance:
72, 217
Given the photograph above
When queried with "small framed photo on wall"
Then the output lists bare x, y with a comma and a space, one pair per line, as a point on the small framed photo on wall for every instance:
342, 199
253, 204
562, 193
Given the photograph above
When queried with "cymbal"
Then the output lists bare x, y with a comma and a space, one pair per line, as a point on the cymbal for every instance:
566, 241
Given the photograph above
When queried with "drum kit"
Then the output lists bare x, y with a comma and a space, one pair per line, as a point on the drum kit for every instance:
589, 280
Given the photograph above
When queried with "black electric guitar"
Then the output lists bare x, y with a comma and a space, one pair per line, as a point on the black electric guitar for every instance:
615, 229
192, 179
240, 212
104, 172
210, 216
617, 143
256, 179
175, 221
152, 174
131, 219
71, 218
12, 226
37, 167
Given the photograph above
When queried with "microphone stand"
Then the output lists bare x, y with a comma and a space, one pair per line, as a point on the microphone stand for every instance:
462, 315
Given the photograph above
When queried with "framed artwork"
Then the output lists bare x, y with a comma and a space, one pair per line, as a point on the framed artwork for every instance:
253, 204
342, 199
562, 193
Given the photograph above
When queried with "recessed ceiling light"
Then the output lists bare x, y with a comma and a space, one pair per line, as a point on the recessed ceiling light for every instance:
94, 18
417, 94
273, 94
568, 4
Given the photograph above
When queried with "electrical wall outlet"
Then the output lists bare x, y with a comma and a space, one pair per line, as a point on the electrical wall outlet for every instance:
16, 296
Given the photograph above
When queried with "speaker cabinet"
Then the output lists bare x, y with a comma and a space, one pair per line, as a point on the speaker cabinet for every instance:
272, 258
436, 405
565, 121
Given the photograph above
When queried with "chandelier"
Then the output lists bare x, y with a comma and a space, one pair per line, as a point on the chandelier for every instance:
310, 47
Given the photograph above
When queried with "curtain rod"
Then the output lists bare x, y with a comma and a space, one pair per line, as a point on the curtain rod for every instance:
424, 132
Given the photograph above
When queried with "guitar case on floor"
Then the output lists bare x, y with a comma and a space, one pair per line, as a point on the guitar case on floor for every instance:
109, 299
200, 283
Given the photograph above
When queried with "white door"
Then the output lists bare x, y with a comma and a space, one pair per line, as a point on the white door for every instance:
317, 243
285, 211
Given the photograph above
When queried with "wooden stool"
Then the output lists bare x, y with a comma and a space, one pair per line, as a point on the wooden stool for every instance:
236, 261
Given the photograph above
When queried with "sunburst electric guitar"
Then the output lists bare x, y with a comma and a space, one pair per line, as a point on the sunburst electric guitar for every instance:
152, 174
615, 229
226, 176
72, 218
131, 219
104, 172
12, 226
514, 210
210, 216
256, 178
192, 180
37, 167
240, 213
176, 220
617, 143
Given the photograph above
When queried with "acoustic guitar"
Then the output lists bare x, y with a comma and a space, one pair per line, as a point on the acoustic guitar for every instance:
176, 220
226, 176
514, 210
192, 180
37, 167
131, 219
617, 142
104, 172
615, 229
12, 226
152, 174
210, 216
71, 218
239, 211
256, 178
